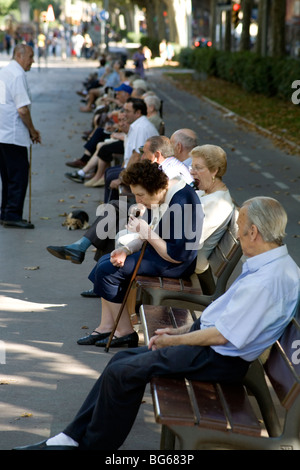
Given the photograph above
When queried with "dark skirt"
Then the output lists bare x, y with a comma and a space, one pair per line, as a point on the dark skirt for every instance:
111, 283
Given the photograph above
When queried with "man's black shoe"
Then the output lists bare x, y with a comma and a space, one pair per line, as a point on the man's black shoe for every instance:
43, 446
75, 177
17, 224
62, 252
89, 293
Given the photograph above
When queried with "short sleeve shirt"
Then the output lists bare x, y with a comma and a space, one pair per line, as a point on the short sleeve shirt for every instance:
139, 131
254, 311
14, 94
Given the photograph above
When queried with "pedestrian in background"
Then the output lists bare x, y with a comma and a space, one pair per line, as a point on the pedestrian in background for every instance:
17, 132
139, 59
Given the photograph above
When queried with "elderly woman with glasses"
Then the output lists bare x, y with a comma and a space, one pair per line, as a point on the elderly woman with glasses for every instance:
209, 164
171, 225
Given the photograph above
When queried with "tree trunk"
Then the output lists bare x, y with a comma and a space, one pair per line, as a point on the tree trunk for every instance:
150, 13
213, 14
247, 6
263, 27
278, 13
173, 34
161, 29
227, 41
24, 7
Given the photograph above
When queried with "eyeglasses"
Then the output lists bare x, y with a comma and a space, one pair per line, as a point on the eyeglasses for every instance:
141, 149
196, 168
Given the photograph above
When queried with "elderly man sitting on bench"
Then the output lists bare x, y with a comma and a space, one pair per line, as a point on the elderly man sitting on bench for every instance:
231, 333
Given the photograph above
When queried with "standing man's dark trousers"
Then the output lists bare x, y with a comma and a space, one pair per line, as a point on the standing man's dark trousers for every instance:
107, 415
14, 169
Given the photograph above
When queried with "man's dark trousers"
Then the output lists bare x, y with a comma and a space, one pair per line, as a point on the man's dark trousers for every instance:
107, 415
14, 169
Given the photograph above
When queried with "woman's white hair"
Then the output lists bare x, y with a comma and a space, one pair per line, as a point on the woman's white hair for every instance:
268, 215
153, 100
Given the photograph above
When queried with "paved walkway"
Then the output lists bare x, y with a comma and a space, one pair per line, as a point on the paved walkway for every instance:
46, 375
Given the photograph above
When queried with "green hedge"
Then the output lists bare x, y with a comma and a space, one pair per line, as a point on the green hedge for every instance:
254, 73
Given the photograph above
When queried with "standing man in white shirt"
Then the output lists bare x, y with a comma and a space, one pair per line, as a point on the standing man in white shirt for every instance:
16, 134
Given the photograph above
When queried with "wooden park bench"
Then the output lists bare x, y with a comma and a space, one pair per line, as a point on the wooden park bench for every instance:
207, 415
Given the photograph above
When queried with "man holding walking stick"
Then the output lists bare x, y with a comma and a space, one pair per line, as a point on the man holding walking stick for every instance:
17, 132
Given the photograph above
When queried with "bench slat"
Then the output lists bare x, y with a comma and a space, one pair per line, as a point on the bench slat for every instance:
239, 411
166, 283
210, 410
154, 317
171, 402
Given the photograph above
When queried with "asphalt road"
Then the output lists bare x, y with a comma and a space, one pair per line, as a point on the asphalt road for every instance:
44, 374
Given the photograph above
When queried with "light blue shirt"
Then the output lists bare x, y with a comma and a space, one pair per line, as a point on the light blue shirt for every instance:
254, 311
113, 80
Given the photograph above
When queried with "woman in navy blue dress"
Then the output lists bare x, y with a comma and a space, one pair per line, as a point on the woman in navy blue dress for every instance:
173, 234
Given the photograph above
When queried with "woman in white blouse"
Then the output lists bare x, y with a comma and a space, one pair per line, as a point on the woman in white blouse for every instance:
209, 164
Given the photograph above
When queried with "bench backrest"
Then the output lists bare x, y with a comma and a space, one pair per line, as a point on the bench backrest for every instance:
162, 128
226, 255
283, 363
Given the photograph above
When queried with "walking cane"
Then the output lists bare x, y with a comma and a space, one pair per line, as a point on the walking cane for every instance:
127, 294
30, 164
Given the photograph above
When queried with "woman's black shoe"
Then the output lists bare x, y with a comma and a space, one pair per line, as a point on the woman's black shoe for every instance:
131, 340
91, 339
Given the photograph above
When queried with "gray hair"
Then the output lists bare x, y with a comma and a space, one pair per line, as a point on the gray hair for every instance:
268, 215
187, 138
153, 100
20, 49
162, 144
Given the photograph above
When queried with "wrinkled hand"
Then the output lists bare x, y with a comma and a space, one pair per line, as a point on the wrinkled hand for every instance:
139, 226
159, 341
118, 257
114, 184
36, 137
137, 208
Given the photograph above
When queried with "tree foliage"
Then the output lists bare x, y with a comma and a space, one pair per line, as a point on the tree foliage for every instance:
6, 6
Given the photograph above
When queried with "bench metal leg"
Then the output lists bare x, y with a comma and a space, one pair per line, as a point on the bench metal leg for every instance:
256, 382
167, 439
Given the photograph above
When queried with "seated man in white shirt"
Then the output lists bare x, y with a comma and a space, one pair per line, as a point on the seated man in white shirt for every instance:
160, 150
139, 131
183, 141
231, 333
